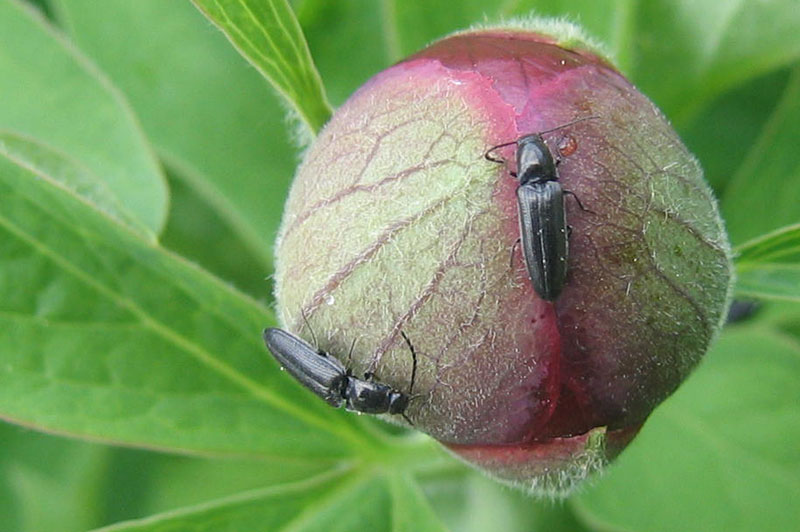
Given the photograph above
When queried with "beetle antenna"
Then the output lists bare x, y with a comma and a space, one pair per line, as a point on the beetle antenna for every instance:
414, 365
562, 126
350, 354
313, 336
488, 156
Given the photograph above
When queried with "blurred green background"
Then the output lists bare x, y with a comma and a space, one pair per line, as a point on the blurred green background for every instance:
152, 89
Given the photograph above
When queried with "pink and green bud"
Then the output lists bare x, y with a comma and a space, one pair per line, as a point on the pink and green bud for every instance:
396, 222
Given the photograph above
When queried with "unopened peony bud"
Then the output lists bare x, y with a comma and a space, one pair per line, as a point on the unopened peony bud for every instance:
397, 222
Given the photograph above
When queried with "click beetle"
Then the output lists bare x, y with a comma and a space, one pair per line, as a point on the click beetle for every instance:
542, 216
327, 377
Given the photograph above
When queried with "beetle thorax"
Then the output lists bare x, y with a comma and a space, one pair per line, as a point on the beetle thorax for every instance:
368, 397
535, 162
398, 402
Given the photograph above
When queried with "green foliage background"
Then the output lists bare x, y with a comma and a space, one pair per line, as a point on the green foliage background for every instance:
143, 168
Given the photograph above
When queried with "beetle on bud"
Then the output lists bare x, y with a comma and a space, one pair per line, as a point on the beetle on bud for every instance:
542, 216
332, 382
410, 230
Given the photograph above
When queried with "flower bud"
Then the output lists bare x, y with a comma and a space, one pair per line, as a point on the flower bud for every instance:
397, 222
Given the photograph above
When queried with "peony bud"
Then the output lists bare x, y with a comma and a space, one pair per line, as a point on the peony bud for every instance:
396, 222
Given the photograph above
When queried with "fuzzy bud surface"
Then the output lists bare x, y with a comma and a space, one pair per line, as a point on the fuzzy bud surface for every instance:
396, 222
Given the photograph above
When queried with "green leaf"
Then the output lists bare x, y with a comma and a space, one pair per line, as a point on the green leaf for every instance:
274, 508
769, 267
46, 481
267, 33
337, 501
105, 335
197, 232
410, 26
415, 24
52, 483
782, 246
70, 174
209, 114
493, 506
721, 454
167, 482
410, 510
714, 45
777, 282
762, 196
53, 95
724, 133
360, 31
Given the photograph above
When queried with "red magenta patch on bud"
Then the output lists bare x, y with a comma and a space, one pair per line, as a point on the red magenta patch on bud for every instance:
397, 222
553, 467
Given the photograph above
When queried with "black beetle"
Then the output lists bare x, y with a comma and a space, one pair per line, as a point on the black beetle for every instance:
542, 216
327, 377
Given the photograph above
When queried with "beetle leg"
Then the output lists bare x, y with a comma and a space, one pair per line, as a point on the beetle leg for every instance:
511, 255
584, 209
